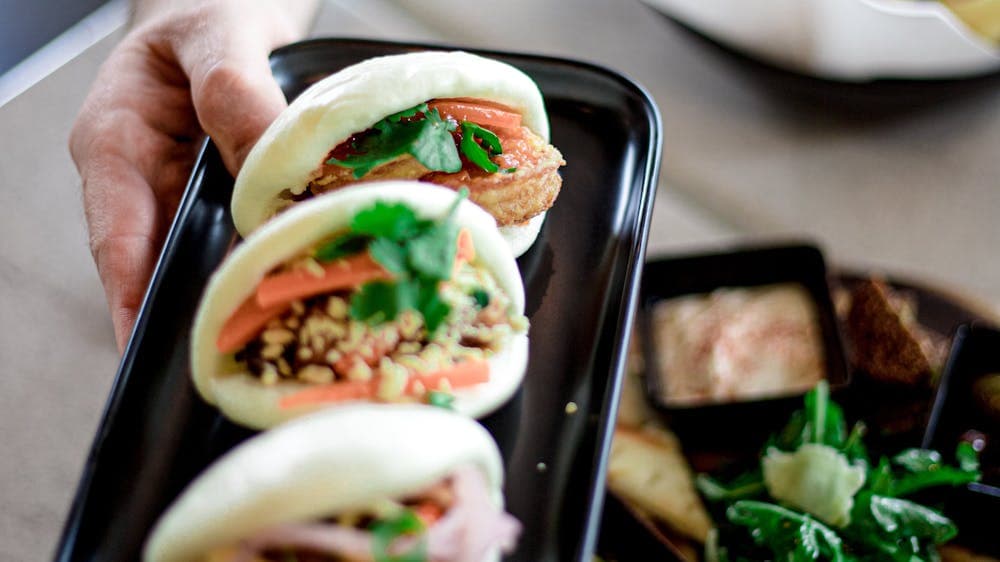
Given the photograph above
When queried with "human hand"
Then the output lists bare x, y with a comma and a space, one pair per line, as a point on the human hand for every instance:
177, 75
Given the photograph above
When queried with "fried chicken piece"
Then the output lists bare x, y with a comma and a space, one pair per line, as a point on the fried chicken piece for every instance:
526, 185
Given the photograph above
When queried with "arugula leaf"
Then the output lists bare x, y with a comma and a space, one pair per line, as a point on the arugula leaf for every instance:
481, 297
918, 460
476, 153
899, 518
896, 529
880, 478
386, 531
745, 486
344, 245
943, 476
428, 140
967, 457
922, 469
790, 536
441, 399
853, 447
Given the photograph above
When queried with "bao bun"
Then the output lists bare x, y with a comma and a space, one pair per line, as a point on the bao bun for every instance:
352, 100
319, 466
223, 382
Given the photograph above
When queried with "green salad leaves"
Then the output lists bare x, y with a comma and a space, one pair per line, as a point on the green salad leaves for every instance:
816, 495
424, 134
419, 253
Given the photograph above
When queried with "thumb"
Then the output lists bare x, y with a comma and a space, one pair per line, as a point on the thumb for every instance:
234, 94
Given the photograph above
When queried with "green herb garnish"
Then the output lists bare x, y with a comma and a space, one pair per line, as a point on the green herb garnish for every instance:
425, 135
386, 531
440, 399
481, 297
342, 246
428, 140
790, 535
813, 467
472, 134
419, 253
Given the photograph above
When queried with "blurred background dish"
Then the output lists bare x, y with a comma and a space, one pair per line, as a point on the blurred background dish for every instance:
658, 506
853, 40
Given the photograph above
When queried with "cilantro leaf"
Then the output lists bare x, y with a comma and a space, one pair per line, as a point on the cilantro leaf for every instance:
394, 221
386, 531
440, 399
381, 301
428, 140
476, 153
419, 253
431, 306
344, 245
435, 147
432, 254
390, 255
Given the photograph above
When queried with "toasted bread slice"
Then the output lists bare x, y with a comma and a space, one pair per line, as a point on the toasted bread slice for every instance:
888, 343
647, 470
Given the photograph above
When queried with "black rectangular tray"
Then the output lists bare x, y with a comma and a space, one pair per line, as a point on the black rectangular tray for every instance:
581, 280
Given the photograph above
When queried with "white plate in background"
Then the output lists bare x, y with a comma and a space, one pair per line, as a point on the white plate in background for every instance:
851, 40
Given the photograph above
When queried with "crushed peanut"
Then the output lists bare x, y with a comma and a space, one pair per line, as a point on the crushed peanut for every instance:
317, 342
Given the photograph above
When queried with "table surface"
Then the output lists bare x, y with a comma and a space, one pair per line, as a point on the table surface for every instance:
897, 178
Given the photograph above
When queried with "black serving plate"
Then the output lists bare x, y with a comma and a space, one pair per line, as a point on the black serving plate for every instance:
581, 279
745, 267
957, 416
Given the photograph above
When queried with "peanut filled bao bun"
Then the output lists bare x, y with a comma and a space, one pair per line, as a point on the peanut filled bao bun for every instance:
364, 482
450, 118
390, 291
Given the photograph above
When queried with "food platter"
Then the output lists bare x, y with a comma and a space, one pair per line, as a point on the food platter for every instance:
156, 435
629, 533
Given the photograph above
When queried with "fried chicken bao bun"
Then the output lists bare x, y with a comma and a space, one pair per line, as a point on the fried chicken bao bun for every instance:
287, 156
243, 398
331, 462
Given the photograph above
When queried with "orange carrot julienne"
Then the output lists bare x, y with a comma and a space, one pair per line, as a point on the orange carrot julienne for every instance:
341, 391
428, 512
465, 373
345, 273
466, 250
480, 112
245, 323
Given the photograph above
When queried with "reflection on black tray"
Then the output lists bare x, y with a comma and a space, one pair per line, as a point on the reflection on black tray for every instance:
156, 434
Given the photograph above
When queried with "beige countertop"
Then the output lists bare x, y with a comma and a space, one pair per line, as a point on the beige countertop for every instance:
911, 188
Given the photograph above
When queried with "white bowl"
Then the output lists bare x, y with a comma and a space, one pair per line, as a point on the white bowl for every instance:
851, 40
